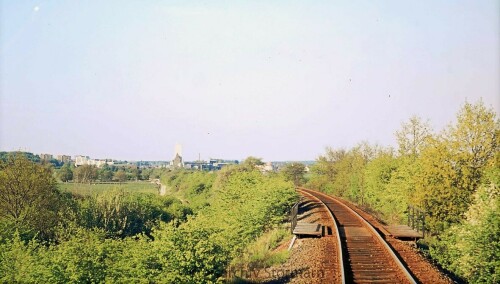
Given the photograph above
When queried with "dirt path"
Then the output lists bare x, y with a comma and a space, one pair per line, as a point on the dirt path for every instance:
163, 189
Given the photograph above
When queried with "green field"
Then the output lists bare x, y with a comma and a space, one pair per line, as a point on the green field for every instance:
86, 189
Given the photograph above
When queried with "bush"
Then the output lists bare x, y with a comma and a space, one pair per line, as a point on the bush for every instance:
471, 249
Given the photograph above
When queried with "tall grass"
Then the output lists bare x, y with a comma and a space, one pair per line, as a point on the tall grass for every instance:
88, 189
264, 252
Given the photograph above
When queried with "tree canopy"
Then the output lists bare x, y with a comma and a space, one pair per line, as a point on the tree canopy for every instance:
294, 172
85, 174
453, 175
29, 198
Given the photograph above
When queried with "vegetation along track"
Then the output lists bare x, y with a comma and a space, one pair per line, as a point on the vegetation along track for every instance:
367, 257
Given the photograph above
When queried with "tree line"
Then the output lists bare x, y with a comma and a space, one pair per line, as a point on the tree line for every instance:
452, 174
51, 236
106, 173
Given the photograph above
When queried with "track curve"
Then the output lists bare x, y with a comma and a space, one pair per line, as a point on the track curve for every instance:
367, 258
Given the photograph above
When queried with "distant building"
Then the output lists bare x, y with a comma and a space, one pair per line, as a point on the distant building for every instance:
211, 165
86, 160
177, 161
101, 162
46, 157
267, 167
81, 160
63, 158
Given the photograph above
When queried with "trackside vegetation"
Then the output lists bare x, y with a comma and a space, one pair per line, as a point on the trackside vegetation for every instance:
58, 226
452, 174
192, 235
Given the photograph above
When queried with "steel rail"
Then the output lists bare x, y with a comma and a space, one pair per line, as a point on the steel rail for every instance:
400, 265
335, 225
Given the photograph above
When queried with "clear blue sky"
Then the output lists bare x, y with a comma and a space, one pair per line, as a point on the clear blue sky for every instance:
279, 80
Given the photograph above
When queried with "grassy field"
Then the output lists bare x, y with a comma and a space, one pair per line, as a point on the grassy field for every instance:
85, 189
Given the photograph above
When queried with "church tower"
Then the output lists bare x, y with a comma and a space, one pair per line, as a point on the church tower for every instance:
177, 161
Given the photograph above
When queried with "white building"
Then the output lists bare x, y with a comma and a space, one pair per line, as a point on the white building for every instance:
86, 160
81, 160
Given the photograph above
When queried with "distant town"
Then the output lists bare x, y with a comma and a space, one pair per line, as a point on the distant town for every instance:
212, 164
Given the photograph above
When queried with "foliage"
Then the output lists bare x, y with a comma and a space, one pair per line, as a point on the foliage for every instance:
20, 261
452, 166
245, 204
105, 173
79, 259
386, 185
119, 235
192, 255
294, 172
29, 199
82, 189
262, 253
65, 173
440, 173
120, 176
210, 220
4, 156
122, 214
472, 248
252, 162
85, 174
341, 172
412, 137
195, 187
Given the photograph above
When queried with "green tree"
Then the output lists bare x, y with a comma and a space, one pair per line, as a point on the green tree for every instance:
105, 173
194, 259
29, 198
343, 171
20, 261
135, 173
471, 248
4, 156
412, 137
474, 141
251, 162
146, 174
85, 174
122, 214
79, 259
325, 170
294, 172
451, 167
65, 173
384, 186
120, 176
354, 171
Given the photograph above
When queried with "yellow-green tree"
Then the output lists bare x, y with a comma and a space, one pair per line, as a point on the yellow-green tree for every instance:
29, 198
324, 170
120, 176
452, 165
294, 172
85, 173
412, 137
474, 141
471, 248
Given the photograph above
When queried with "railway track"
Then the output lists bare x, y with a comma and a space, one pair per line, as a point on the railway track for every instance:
366, 257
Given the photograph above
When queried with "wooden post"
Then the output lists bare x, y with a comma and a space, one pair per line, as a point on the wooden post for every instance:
408, 210
413, 217
423, 224
293, 216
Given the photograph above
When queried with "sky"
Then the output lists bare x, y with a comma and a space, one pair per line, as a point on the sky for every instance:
279, 80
